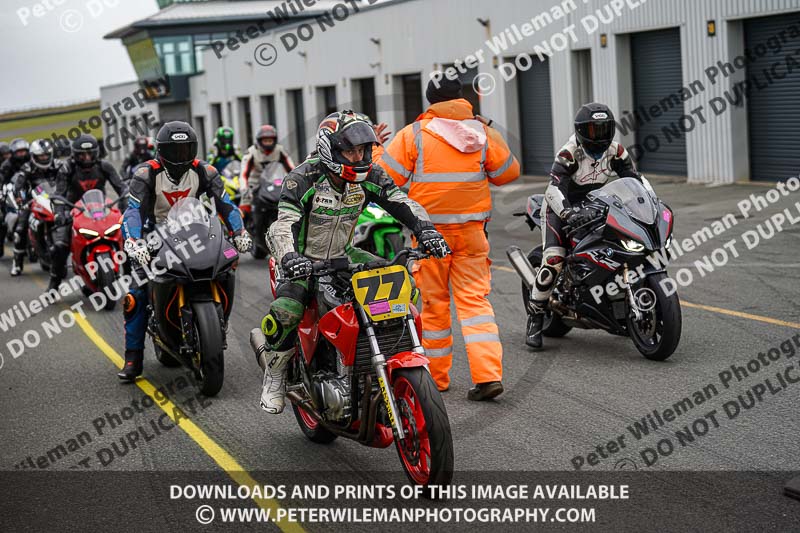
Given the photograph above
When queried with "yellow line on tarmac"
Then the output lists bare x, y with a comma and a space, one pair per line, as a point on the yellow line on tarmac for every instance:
739, 314
214, 450
504, 269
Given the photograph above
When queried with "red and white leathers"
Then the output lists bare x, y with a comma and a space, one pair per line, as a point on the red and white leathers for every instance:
253, 163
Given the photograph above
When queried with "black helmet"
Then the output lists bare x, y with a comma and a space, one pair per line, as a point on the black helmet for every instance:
176, 144
141, 146
62, 147
20, 150
595, 129
42, 153
85, 151
5, 151
344, 131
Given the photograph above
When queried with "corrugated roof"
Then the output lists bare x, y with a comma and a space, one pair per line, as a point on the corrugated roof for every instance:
228, 11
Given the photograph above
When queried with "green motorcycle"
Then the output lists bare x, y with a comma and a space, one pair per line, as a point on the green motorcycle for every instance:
379, 233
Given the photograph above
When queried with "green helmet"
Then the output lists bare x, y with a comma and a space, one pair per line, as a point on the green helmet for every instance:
224, 139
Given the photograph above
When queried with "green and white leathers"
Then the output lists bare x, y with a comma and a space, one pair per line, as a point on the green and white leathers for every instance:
317, 220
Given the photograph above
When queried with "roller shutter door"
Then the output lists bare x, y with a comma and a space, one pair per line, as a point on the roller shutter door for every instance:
536, 118
657, 76
773, 111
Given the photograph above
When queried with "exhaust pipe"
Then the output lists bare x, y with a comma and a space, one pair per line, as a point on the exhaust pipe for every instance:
521, 264
258, 342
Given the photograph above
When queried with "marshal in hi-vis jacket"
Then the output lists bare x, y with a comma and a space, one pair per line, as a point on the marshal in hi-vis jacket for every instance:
317, 220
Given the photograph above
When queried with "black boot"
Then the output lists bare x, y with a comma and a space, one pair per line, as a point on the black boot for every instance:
16, 264
485, 391
533, 336
55, 282
133, 365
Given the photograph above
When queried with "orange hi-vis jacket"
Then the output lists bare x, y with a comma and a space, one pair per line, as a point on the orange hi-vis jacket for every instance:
450, 158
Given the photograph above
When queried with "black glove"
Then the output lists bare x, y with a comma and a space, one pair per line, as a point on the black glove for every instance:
296, 265
432, 241
578, 216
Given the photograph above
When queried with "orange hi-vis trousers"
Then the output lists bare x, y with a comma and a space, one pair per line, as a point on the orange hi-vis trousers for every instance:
467, 271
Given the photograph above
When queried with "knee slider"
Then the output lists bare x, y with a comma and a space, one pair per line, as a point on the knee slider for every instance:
272, 328
133, 300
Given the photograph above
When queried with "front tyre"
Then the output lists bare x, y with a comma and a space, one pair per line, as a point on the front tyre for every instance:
209, 355
657, 334
427, 450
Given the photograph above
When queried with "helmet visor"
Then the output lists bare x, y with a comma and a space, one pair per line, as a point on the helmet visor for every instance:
355, 134
178, 153
601, 132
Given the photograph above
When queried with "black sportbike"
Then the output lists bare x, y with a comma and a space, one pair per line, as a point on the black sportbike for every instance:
614, 272
192, 294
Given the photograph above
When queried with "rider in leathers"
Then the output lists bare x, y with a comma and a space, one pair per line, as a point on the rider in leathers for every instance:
320, 203
154, 189
20, 154
82, 172
266, 150
42, 168
142, 151
585, 163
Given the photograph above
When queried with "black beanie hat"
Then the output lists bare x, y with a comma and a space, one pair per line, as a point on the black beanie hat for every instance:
447, 90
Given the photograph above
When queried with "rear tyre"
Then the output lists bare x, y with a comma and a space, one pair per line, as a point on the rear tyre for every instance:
426, 452
260, 228
657, 334
208, 341
553, 325
311, 428
394, 243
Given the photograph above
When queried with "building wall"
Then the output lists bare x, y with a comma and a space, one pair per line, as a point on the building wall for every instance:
117, 94
420, 35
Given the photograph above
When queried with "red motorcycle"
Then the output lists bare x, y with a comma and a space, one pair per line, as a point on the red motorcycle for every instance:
96, 237
40, 225
360, 371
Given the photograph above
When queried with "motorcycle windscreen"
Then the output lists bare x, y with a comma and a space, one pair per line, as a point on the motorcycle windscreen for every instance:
637, 201
193, 240
232, 169
94, 201
42, 194
188, 212
272, 173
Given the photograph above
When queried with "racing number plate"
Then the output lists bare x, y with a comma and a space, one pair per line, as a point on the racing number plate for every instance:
384, 293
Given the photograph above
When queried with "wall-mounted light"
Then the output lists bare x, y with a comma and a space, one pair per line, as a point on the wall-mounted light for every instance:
375, 65
495, 62
483, 22
603, 40
711, 28
302, 54
375, 40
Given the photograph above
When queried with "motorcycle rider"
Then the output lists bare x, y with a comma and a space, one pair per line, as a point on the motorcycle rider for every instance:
321, 201
224, 151
20, 154
41, 168
585, 163
265, 150
142, 151
154, 188
5, 152
82, 172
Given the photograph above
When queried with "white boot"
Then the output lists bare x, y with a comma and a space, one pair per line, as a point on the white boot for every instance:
272, 395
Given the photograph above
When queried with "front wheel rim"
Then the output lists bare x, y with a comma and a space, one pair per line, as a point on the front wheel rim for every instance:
415, 448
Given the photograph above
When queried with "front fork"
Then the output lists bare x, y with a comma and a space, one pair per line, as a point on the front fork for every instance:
379, 364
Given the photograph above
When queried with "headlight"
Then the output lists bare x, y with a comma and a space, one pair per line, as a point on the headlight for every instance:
632, 246
113, 229
88, 233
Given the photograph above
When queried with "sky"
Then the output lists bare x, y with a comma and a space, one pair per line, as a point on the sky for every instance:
61, 56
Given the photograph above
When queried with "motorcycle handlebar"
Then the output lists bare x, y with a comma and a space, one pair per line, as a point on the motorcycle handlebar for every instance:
331, 266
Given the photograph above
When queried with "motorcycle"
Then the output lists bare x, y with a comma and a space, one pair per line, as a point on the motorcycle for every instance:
40, 224
189, 306
230, 179
379, 233
360, 371
626, 241
10, 209
265, 206
96, 238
